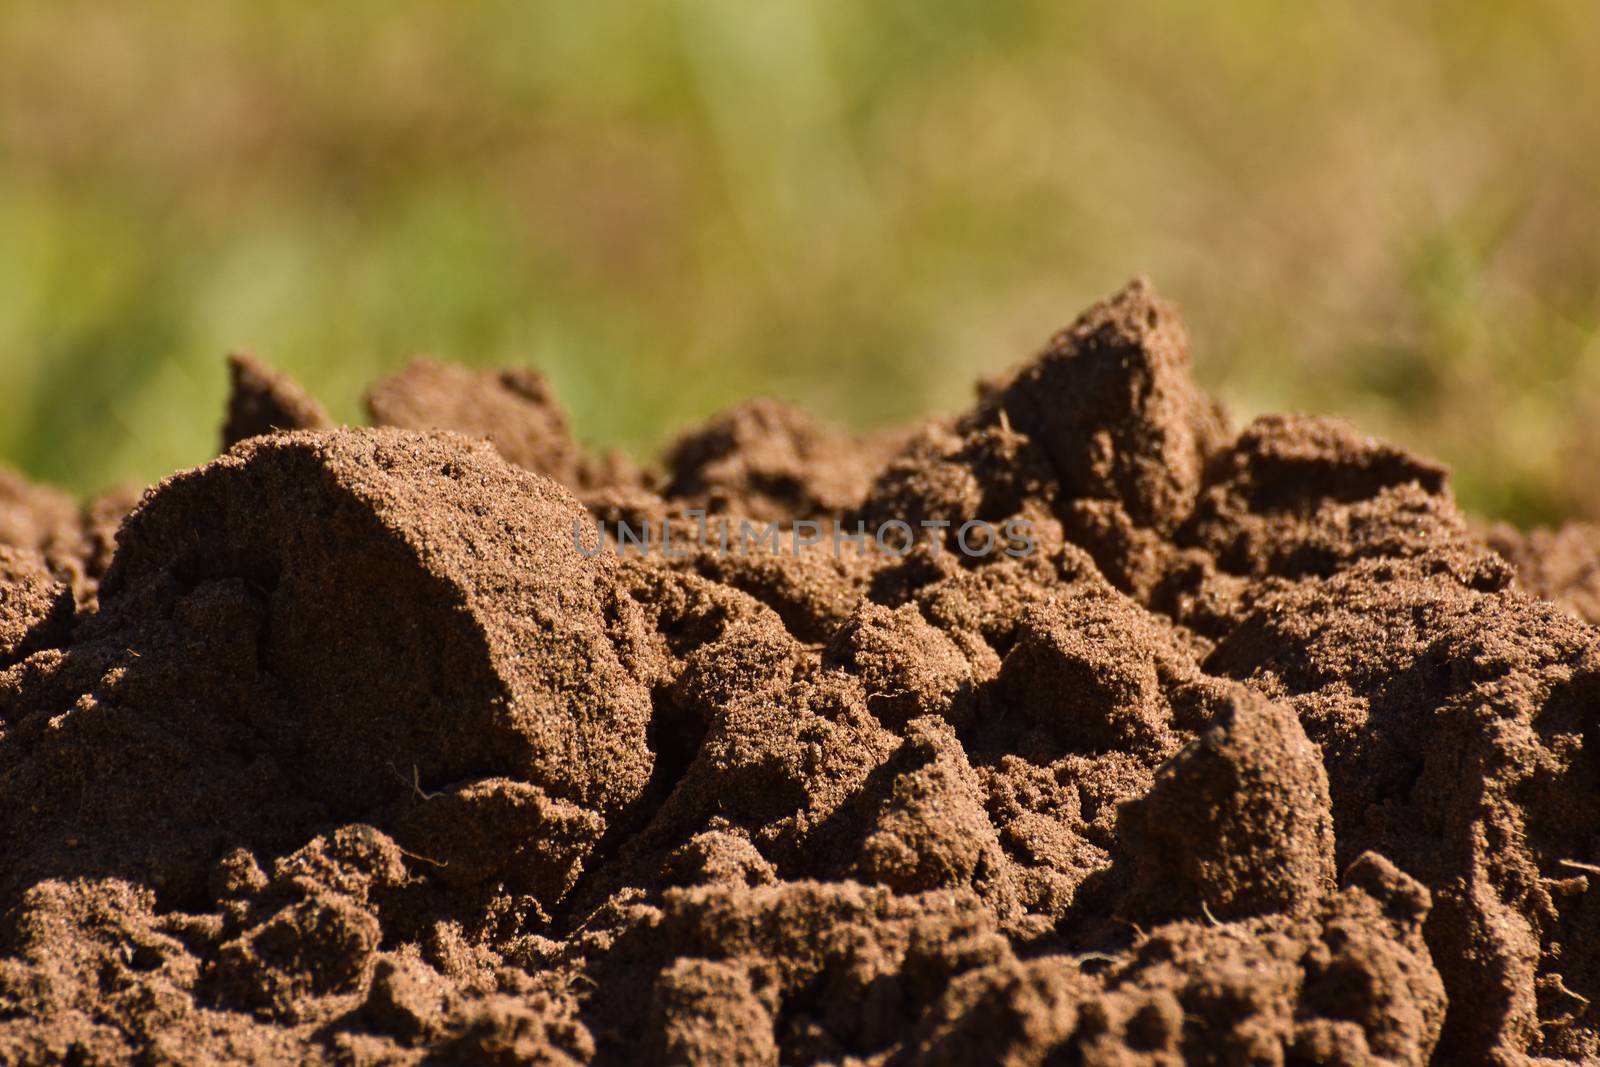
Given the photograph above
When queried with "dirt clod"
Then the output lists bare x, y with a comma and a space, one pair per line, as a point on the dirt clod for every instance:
263, 401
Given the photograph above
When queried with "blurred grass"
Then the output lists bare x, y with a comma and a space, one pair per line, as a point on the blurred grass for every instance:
1386, 211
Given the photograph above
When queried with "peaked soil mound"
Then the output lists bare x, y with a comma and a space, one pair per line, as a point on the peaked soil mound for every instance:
385, 745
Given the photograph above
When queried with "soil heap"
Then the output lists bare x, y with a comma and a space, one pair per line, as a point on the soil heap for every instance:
357, 746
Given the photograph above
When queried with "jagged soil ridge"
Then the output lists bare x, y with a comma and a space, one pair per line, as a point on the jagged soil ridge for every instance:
352, 756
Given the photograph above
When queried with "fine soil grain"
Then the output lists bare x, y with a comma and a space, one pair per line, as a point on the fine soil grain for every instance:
348, 747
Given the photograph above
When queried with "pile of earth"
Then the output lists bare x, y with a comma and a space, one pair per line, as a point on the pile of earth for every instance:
346, 748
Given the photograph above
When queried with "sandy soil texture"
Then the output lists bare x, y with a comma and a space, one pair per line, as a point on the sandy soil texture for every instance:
342, 749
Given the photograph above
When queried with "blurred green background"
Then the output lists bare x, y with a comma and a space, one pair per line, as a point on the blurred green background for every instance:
1390, 211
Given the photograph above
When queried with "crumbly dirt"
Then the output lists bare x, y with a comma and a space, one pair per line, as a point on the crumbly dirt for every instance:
347, 748
1560, 564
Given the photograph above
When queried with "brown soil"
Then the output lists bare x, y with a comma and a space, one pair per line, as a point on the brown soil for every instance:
349, 755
